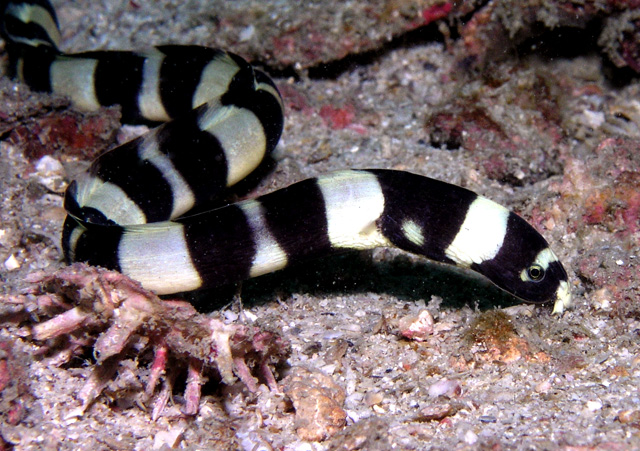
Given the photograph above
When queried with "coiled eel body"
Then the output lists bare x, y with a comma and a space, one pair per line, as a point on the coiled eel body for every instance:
130, 211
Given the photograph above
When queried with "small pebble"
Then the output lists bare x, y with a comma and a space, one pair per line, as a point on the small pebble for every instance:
600, 299
373, 398
230, 316
250, 315
247, 33
445, 387
593, 119
170, 438
543, 387
470, 437
487, 419
417, 328
11, 263
594, 405
437, 412
629, 416
48, 165
51, 174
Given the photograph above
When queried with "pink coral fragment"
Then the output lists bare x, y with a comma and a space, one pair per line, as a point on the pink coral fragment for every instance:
337, 118
436, 12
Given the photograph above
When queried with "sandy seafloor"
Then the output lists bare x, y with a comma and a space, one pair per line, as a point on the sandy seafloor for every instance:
542, 135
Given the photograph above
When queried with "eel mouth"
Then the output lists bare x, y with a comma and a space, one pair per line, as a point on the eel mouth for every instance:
563, 298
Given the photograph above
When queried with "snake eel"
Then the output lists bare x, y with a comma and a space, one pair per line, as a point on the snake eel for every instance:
132, 211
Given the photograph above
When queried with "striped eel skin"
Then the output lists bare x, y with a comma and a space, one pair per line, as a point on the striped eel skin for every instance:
131, 211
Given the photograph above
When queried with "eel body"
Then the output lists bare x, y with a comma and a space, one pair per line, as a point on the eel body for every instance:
131, 210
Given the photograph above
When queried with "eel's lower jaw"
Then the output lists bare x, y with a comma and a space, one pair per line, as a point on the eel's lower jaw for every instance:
563, 298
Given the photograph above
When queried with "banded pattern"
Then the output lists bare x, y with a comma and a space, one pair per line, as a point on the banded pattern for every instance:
130, 211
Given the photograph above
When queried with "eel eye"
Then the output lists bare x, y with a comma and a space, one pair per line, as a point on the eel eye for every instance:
535, 272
